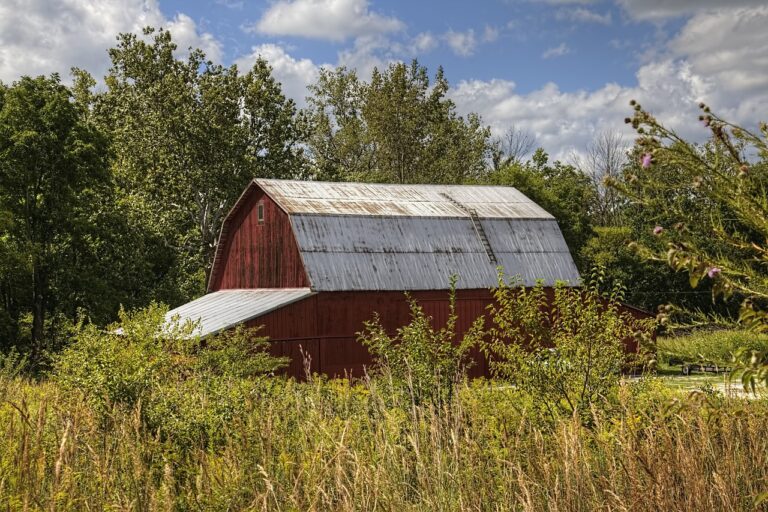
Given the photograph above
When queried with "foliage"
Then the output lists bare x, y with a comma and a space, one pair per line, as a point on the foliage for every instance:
330, 445
562, 190
143, 362
715, 203
427, 362
187, 136
709, 346
397, 128
50, 158
566, 350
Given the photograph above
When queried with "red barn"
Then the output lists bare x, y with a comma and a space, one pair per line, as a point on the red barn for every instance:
311, 261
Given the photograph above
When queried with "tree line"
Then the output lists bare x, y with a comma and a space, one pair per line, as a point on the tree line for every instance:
113, 195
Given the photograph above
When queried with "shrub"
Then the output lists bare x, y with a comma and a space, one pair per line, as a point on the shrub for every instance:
424, 361
567, 350
185, 388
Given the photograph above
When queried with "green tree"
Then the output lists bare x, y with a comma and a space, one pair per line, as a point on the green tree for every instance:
566, 349
187, 136
49, 159
397, 128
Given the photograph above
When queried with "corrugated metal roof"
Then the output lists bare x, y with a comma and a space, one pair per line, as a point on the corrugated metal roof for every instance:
373, 199
224, 309
415, 253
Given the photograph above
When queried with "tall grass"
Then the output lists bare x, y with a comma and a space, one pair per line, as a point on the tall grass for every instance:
332, 446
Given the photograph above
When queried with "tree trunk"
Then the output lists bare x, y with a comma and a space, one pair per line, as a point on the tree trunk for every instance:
38, 309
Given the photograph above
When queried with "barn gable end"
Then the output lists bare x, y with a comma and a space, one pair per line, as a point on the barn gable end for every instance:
256, 253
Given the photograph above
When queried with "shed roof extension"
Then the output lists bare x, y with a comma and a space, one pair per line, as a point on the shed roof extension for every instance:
221, 310
371, 237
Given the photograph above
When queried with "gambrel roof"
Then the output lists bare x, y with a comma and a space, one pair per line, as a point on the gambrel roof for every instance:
355, 236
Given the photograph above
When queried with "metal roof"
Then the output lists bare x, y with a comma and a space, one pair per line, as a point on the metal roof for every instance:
221, 310
412, 253
375, 199
363, 236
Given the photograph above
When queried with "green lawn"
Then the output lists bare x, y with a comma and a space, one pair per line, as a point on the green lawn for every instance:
696, 381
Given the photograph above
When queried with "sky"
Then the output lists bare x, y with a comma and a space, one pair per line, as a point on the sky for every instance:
562, 70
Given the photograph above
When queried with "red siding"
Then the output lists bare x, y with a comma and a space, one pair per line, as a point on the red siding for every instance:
259, 255
325, 326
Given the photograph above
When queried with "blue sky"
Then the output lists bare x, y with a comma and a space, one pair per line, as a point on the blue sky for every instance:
563, 70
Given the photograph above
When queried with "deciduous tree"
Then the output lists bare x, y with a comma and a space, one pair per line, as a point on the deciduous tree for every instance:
397, 128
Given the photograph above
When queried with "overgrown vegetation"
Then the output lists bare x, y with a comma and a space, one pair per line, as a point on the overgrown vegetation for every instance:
718, 347
333, 446
424, 363
566, 349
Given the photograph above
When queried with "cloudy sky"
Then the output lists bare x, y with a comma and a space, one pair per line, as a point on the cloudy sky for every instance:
562, 69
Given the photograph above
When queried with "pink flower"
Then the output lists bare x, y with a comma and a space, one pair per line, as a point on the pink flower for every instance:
646, 161
712, 272
657, 230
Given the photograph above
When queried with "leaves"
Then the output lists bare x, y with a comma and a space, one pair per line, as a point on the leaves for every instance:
398, 128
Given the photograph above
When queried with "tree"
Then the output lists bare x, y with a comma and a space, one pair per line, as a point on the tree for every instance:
511, 147
605, 160
49, 157
716, 207
188, 135
399, 128
565, 349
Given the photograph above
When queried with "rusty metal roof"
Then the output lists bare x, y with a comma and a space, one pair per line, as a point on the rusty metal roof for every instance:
375, 199
221, 310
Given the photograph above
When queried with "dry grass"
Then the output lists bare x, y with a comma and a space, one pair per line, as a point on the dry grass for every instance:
330, 446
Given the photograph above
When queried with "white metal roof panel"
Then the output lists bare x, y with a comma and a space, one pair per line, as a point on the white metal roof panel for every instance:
221, 310
416, 253
376, 199
387, 271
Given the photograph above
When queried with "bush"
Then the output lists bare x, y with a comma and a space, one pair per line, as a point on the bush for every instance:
425, 362
567, 350
185, 388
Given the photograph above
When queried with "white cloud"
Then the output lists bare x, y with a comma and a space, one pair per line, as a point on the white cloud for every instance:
42, 37
231, 4
367, 53
557, 51
424, 42
463, 44
334, 20
294, 74
490, 34
185, 34
582, 15
719, 57
565, 122
661, 9
728, 45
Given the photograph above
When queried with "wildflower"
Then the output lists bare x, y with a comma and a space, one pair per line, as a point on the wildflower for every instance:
646, 161
657, 230
712, 272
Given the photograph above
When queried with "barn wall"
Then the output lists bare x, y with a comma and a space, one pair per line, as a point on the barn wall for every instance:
260, 255
324, 326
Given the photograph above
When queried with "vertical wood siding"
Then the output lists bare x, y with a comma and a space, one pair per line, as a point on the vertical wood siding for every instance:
260, 255
324, 327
